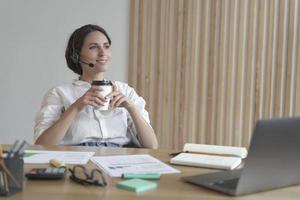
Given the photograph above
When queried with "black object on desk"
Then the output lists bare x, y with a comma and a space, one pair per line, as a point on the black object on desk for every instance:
11, 175
50, 173
11, 169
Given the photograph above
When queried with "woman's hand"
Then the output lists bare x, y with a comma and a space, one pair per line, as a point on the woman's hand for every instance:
92, 97
118, 99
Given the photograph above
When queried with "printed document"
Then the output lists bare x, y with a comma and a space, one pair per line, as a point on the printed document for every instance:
68, 157
115, 166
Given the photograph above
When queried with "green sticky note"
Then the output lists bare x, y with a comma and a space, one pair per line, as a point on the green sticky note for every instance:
136, 185
150, 176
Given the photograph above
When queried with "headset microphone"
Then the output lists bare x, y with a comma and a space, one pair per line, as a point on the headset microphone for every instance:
89, 64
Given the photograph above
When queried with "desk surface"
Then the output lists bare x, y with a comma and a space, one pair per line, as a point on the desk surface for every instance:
170, 186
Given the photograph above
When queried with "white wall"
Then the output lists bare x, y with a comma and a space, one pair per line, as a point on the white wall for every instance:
33, 38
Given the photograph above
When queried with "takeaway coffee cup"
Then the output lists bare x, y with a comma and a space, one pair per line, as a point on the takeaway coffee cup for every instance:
106, 85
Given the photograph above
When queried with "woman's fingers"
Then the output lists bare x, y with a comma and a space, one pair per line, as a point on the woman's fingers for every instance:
98, 101
94, 102
112, 95
95, 105
96, 92
115, 99
114, 86
98, 96
94, 99
120, 101
114, 92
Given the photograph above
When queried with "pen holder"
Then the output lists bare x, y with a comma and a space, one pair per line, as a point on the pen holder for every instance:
15, 166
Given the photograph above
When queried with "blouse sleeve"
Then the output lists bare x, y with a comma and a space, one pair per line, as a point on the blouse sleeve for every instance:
49, 113
140, 104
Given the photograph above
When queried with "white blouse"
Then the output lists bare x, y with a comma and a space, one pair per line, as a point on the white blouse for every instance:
115, 126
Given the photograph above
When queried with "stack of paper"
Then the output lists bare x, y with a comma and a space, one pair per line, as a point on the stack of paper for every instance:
115, 166
67, 157
210, 156
240, 152
199, 160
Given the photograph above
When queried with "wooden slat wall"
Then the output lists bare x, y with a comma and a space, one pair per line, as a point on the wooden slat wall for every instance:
208, 69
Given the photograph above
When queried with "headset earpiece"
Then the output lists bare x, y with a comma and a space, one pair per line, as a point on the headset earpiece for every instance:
75, 57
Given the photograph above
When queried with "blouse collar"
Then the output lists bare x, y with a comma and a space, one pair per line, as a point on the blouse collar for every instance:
78, 82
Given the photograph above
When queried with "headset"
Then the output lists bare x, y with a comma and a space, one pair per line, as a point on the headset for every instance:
75, 57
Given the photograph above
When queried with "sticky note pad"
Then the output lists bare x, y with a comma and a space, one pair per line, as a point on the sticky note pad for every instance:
136, 185
149, 176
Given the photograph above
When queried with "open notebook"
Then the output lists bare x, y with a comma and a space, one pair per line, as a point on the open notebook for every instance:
210, 156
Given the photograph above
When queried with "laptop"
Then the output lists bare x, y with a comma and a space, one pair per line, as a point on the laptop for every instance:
273, 161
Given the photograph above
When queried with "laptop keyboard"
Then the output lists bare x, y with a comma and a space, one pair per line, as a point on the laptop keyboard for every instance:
231, 183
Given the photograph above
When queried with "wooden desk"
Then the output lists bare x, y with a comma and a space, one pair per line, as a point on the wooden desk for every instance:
169, 186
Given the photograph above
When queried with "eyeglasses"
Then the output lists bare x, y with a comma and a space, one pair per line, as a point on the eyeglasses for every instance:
81, 175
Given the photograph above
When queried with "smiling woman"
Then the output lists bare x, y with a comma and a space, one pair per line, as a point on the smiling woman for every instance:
70, 114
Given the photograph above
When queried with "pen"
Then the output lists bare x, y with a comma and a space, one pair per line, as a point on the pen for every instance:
13, 149
1, 180
3, 173
5, 182
22, 148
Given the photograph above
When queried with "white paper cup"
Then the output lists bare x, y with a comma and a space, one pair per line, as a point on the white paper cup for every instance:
106, 86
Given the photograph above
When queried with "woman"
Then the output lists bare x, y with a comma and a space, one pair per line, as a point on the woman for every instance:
69, 113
